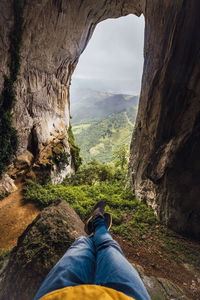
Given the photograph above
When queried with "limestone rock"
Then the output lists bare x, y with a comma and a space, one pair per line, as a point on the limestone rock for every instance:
24, 160
38, 249
164, 159
7, 184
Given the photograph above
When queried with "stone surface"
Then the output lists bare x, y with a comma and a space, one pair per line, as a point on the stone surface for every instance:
7, 184
164, 161
165, 147
38, 249
160, 288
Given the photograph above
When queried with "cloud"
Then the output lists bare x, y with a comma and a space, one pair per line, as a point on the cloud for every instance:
115, 51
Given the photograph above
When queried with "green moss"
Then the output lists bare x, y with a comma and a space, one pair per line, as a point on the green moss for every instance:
3, 256
74, 149
127, 212
4, 195
59, 156
8, 134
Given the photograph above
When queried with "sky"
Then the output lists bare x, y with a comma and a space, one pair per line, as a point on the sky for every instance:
113, 58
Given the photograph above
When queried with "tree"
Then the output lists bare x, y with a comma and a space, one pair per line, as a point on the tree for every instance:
120, 157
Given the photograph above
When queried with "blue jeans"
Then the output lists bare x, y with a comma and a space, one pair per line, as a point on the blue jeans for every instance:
96, 260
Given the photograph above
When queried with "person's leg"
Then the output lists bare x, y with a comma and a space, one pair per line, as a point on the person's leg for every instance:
112, 268
76, 267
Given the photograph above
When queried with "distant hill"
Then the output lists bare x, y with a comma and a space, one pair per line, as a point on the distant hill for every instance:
92, 106
102, 122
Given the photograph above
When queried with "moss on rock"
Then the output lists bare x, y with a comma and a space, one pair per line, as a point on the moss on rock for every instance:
8, 134
74, 149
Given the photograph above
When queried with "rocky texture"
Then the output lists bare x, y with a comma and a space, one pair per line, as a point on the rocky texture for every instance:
56, 33
165, 147
7, 185
38, 249
164, 162
160, 288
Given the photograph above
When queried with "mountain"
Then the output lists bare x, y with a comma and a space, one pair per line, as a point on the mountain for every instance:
91, 106
102, 122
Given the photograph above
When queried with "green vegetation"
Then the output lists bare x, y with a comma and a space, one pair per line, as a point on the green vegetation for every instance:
3, 256
102, 122
132, 219
4, 195
99, 140
59, 156
120, 157
8, 134
94, 182
74, 149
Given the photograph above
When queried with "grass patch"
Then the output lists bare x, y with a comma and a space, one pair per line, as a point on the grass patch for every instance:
120, 202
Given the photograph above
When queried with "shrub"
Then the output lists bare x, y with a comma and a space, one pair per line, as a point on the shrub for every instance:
128, 213
74, 149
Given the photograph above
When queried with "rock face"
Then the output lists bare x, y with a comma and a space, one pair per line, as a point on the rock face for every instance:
165, 148
39, 248
164, 162
160, 288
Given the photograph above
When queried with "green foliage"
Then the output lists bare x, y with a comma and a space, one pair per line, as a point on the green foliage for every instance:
8, 134
59, 156
120, 157
100, 139
92, 183
91, 173
4, 195
74, 149
3, 256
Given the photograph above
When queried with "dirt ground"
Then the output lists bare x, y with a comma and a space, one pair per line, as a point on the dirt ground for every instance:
155, 263
15, 216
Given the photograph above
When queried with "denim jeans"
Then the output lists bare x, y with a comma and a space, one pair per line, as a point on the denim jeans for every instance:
95, 260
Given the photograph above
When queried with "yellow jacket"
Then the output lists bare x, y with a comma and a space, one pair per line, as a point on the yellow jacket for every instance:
86, 292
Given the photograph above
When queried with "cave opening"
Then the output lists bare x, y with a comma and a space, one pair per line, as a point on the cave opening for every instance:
106, 86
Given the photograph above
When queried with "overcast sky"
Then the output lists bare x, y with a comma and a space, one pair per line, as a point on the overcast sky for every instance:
114, 53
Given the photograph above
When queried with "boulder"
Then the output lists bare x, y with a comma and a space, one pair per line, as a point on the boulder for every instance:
38, 249
7, 185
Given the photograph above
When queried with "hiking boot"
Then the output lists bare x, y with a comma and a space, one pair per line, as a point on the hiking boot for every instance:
98, 211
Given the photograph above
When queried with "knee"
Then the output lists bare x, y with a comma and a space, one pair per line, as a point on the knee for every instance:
82, 238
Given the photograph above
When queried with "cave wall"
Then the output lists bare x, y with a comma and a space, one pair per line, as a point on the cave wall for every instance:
164, 164
56, 33
165, 147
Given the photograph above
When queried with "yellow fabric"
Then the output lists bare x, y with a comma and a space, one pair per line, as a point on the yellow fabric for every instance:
86, 292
